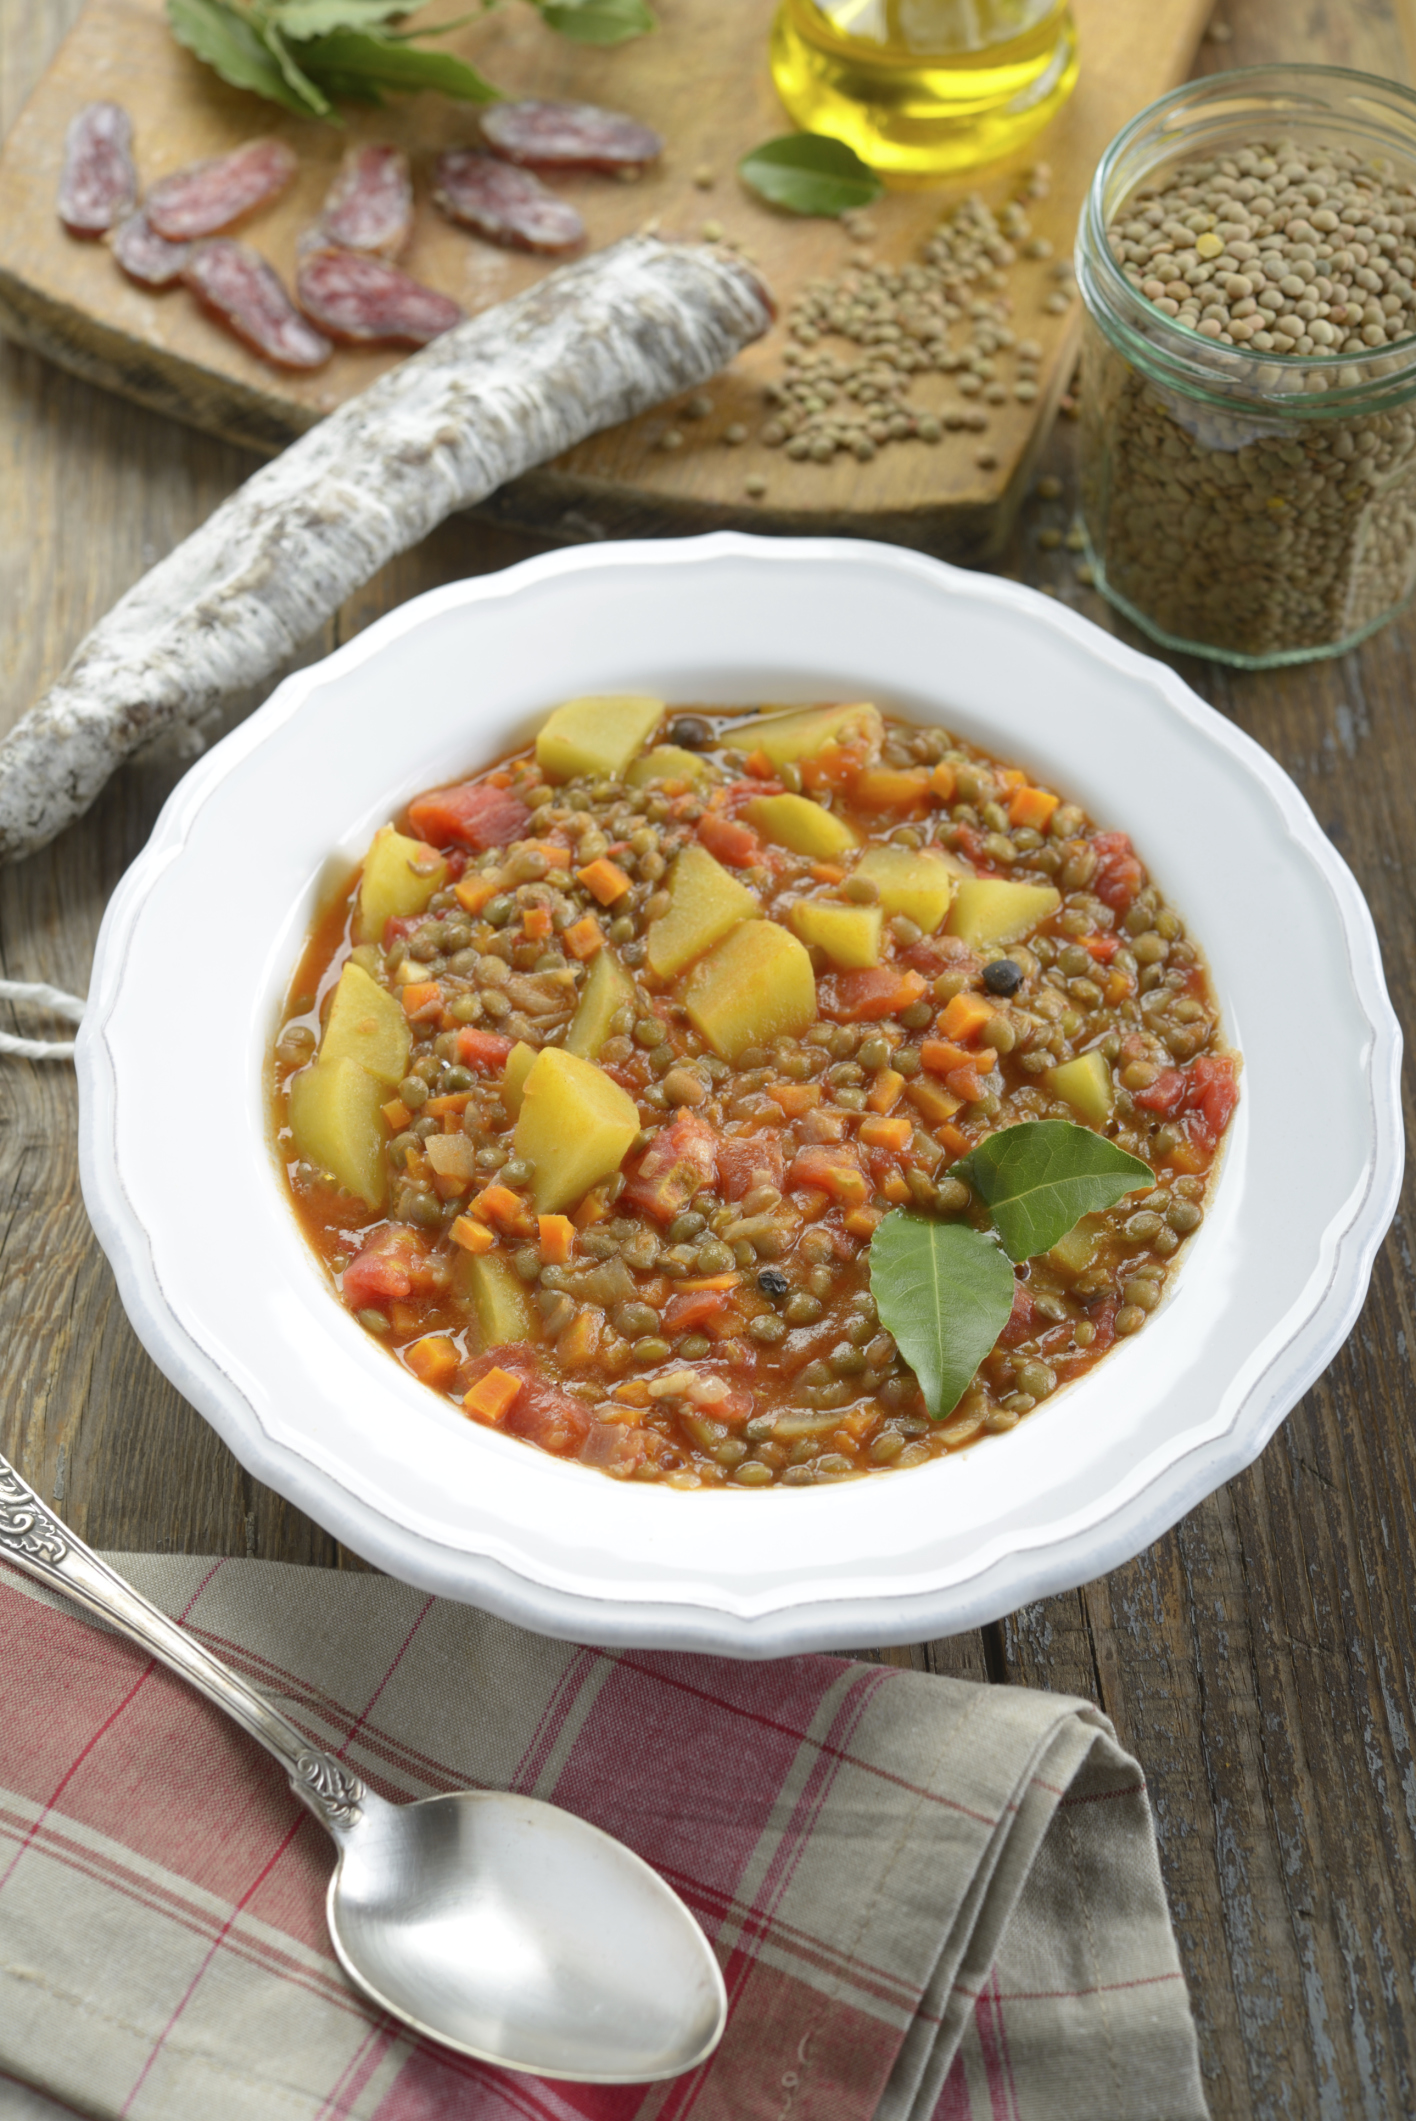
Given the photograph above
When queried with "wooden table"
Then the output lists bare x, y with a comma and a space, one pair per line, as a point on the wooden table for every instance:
1260, 1659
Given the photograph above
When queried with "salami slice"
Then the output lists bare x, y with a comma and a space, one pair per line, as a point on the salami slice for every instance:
370, 203
145, 255
214, 195
568, 136
506, 205
366, 301
585, 348
99, 183
246, 294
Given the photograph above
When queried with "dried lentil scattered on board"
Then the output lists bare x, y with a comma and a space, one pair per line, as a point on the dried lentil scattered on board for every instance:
1249, 470
950, 313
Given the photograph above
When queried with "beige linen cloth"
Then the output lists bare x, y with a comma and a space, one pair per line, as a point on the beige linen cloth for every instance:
932, 1901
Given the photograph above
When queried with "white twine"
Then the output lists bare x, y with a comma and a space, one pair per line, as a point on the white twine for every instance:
57, 1002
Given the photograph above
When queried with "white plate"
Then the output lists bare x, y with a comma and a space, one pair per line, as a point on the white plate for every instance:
186, 1196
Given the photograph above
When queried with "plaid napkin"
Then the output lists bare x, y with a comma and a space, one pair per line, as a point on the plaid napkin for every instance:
932, 1901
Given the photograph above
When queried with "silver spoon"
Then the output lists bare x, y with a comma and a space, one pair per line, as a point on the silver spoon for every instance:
503, 1927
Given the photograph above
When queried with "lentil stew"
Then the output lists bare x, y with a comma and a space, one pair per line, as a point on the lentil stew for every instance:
596, 1082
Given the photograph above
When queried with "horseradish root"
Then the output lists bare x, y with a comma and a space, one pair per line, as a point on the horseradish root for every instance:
587, 347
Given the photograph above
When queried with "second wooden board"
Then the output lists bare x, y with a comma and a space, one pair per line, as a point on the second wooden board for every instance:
703, 81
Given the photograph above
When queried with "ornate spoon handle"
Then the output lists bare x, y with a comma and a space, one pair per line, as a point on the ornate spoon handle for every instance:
34, 1540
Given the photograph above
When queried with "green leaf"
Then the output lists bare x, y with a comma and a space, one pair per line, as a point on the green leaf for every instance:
598, 21
299, 82
809, 174
229, 43
351, 55
945, 1291
317, 18
1041, 1177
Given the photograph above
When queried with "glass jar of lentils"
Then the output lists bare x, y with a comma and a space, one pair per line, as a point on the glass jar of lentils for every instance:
1247, 261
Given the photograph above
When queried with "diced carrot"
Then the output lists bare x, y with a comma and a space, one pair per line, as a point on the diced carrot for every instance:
584, 938
493, 1396
603, 881
833, 1171
833, 766
449, 1104
634, 1391
826, 873
885, 1133
482, 1049
473, 1237
942, 1057
884, 1093
434, 1358
889, 788
932, 1100
895, 1189
794, 1098
397, 1114
536, 923
1032, 806
941, 782
578, 1342
422, 998
966, 1016
403, 1317
474, 892
556, 1236
955, 1140
1102, 947
593, 1209
1012, 777
416, 1167
1118, 986
499, 1205
863, 1222
503, 779
760, 766
712, 1281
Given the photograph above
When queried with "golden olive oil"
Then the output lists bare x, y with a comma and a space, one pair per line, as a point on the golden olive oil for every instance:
924, 88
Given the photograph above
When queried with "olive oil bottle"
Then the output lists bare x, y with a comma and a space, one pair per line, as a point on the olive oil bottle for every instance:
924, 88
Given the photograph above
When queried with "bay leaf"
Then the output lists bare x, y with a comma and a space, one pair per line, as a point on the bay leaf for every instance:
598, 21
225, 40
945, 1291
807, 173
1041, 1177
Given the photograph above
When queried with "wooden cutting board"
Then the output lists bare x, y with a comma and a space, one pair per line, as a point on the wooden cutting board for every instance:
703, 81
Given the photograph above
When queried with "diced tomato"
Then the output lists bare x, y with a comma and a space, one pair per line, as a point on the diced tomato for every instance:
749, 1160
1119, 875
934, 954
1021, 1319
541, 1411
736, 793
1213, 1094
1104, 1319
473, 814
680, 1161
832, 1170
1102, 947
615, 1447
693, 1308
969, 842
879, 990
1166, 1094
391, 1266
486, 1050
727, 841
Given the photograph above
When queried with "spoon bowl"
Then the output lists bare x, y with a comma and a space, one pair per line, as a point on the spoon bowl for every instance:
515, 1932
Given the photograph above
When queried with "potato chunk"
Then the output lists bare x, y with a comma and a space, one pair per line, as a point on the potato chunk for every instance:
918, 885
757, 985
608, 988
850, 935
597, 735
704, 903
669, 762
519, 1063
788, 737
988, 909
575, 1127
497, 1297
1086, 1085
400, 876
339, 1127
366, 1024
795, 821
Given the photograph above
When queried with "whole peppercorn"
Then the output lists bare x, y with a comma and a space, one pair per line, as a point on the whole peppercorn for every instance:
773, 1282
1003, 976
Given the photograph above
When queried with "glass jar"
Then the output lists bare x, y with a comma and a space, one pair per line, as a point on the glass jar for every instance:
920, 88
1242, 502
